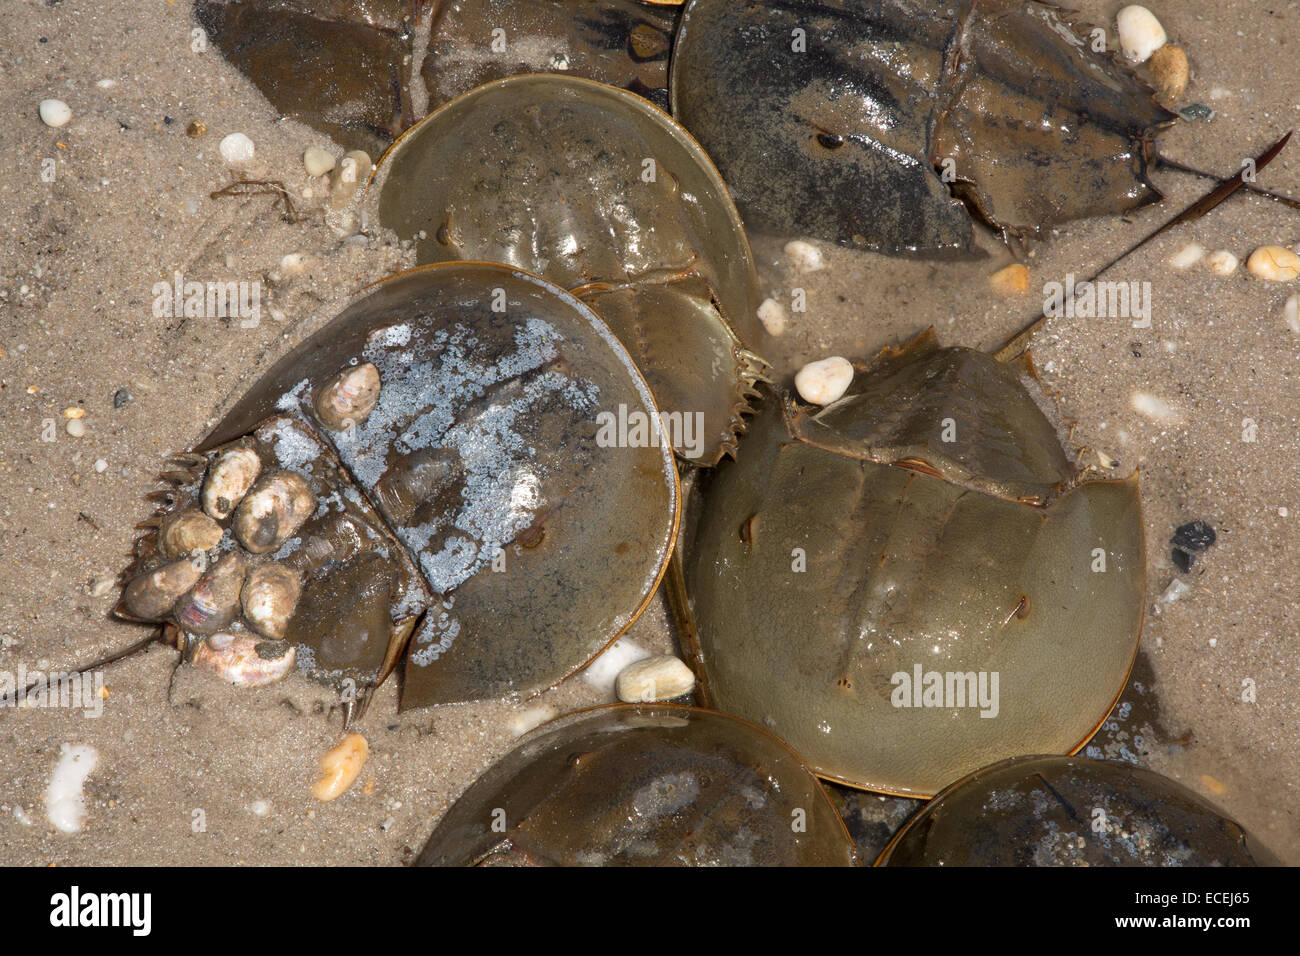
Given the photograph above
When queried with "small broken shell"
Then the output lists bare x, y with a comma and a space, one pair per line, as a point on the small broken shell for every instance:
185, 531
150, 596
214, 601
270, 514
229, 479
270, 596
349, 397
245, 660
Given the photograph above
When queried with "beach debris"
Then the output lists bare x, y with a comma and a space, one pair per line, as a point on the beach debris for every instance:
1190, 540
340, 766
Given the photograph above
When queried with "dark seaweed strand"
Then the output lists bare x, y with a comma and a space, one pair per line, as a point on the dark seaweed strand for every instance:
1018, 344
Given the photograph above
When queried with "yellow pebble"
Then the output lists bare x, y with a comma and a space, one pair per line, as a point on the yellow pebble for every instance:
1012, 280
1274, 263
1213, 785
1169, 72
74, 412
340, 767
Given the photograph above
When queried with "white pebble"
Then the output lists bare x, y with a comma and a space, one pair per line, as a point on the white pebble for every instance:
661, 677
1188, 256
76, 428
772, 314
1283, 512
1291, 313
65, 804
293, 264
101, 465
525, 720
1140, 33
1154, 408
106, 84
804, 256
317, 161
236, 149
825, 381
260, 808
602, 673
55, 113
1178, 588
1222, 262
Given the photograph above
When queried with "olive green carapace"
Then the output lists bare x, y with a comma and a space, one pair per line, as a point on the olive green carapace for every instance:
644, 785
850, 554
345, 67
1071, 811
537, 545
606, 196
887, 125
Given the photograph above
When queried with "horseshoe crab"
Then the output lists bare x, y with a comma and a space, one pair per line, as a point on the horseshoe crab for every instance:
1071, 811
605, 195
889, 125
916, 580
422, 473
362, 71
647, 785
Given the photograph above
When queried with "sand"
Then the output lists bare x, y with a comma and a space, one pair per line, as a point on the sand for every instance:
193, 772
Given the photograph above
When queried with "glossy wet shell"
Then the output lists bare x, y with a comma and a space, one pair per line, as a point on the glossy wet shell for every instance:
535, 546
343, 66
604, 195
1071, 811
846, 139
643, 785
846, 549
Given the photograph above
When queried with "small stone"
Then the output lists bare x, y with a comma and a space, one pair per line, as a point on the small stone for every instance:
1222, 262
824, 381
662, 677
196, 129
340, 767
804, 256
1274, 264
1188, 256
1291, 313
602, 673
1196, 111
236, 149
75, 427
1154, 408
121, 397
1140, 33
103, 585
772, 314
293, 264
317, 161
1011, 280
72, 411
1193, 536
260, 808
1178, 589
106, 84
55, 113
1169, 72
101, 466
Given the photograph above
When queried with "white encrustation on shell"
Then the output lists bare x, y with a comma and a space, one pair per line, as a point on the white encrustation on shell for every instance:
348, 398
1274, 264
824, 381
186, 531
229, 479
340, 766
661, 677
1140, 33
270, 514
65, 803
317, 161
270, 595
151, 596
245, 659
54, 113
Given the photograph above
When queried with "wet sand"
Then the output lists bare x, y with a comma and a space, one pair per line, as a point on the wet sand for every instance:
185, 761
